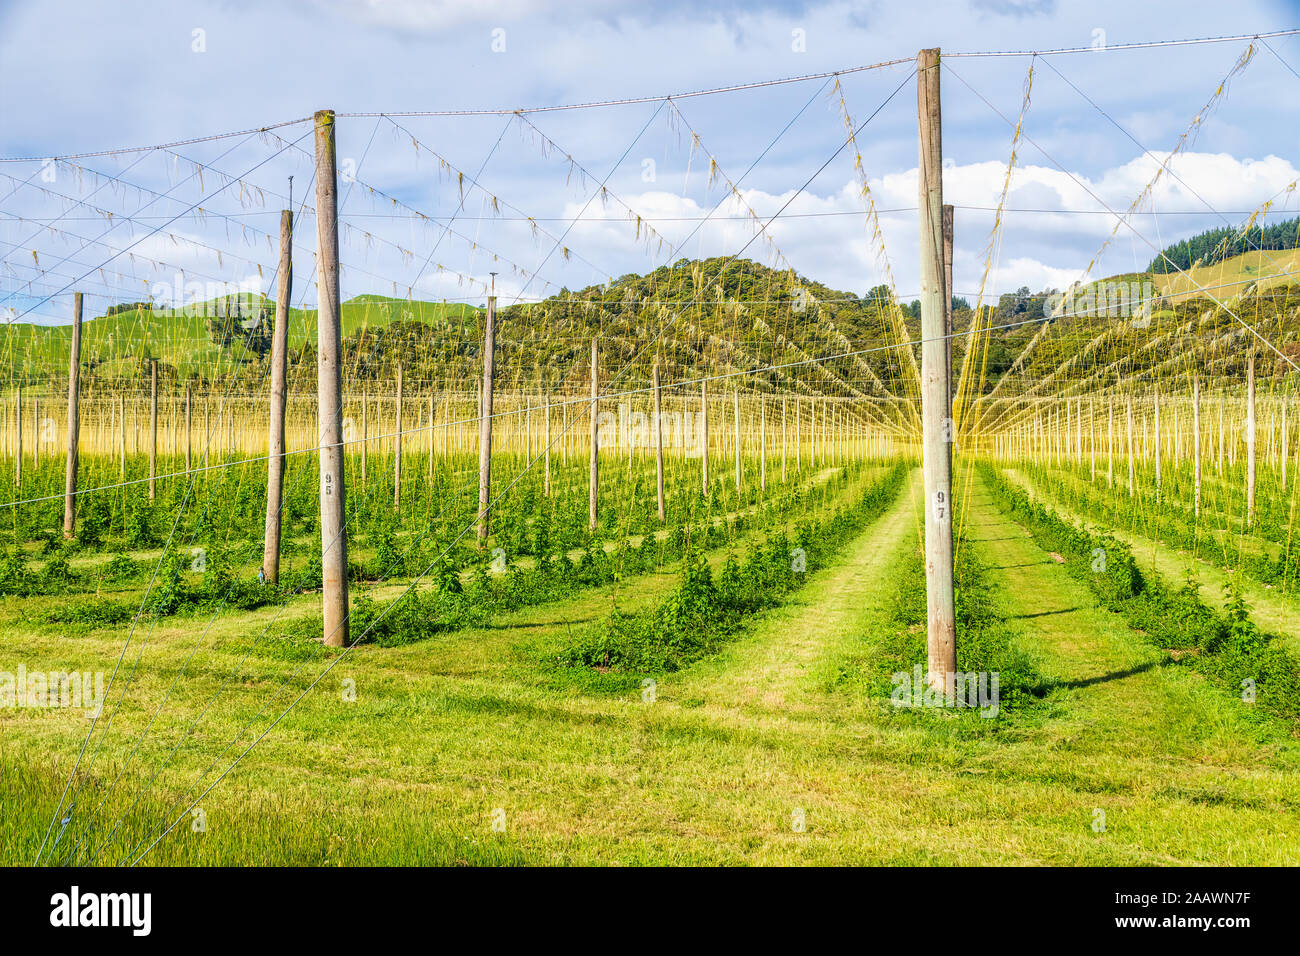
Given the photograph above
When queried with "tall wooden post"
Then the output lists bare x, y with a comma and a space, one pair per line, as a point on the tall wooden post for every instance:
397, 447
595, 440
1250, 439
365, 438
798, 441
783, 438
189, 427
1110, 443
279, 374
121, 438
153, 428
1131, 448
704, 437
936, 394
735, 432
1285, 441
1155, 399
1219, 464
485, 419
659, 444
547, 450
329, 389
1196, 442
947, 297
18, 425
74, 421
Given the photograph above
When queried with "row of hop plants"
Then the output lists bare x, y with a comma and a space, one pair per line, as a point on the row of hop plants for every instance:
124, 515
703, 611
1227, 646
454, 599
1173, 520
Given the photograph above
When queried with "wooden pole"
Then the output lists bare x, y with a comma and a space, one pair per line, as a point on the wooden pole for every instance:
936, 394
74, 421
189, 427
1131, 447
1285, 437
659, 445
1110, 443
397, 447
329, 390
18, 416
121, 438
547, 450
153, 428
365, 436
1196, 441
485, 419
947, 296
1155, 399
1250, 439
783, 437
762, 445
279, 374
735, 432
704, 437
798, 442
595, 440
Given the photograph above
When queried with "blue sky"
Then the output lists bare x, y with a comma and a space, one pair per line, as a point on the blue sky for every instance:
85, 77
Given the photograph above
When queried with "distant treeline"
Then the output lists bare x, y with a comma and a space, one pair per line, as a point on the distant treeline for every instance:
1215, 245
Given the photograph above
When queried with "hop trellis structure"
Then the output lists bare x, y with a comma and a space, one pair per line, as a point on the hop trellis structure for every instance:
293, 424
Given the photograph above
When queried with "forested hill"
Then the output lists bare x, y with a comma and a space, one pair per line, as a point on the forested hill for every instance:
1215, 245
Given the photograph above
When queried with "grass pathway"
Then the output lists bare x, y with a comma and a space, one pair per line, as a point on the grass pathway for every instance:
1271, 610
735, 750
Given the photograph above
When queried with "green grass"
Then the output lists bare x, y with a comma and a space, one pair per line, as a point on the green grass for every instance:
445, 732
111, 345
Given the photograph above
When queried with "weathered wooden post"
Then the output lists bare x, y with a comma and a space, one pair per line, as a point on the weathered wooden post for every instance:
329, 389
1155, 400
153, 428
595, 440
189, 427
1196, 442
1250, 438
18, 424
365, 433
431, 431
74, 421
485, 418
936, 394
1110, 443
1132, 449
947, 300
783, 436
547, 450
279, 374
659, 444
397, 447
704, 437
735, 432
798, 440
1285, 437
